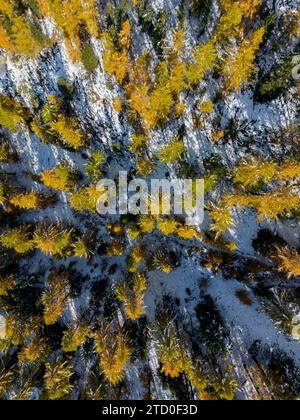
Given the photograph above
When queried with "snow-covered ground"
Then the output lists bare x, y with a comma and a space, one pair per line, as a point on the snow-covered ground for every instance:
93, 106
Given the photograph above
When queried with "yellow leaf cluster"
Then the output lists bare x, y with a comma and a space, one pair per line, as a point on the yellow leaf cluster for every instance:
222, 218
85, 199
132, 295
289, 261
238, 71
54, 298
32, 200
114, 350
53, 240
57, 379
269, 205
59, 178
74, 337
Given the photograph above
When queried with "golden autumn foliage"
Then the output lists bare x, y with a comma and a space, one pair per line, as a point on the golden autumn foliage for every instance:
114, 350
147, 224
23, 39
34, 349
289, 170
238, 72
137, 256
162, 261
116, 63
269, 205
187, 232
133, 232
81, 248
172, 152
118, 104
93, 167
67, 129
207, 107
53, 240
11, 113
4, 152
132, 295
6, 381
57, 379
250, 173
54, 298
17, 330
217, 135
176, 360
17, 37
204, 57
171, 358
125, 35
255, 170
2, 194
231, 21
138, 143
5, 41
289, 261
62, 178
32, 200
167, 226
7, 283
222, 218
85, 199
69, 15
55, 123
20, 239
180, 108
74, 337
144, 167
151, 100
249, 7
115, 229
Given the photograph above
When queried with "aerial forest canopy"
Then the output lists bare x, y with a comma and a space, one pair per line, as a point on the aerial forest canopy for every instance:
147, 306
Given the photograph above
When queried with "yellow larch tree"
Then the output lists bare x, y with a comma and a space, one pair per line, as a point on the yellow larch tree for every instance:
204, 57
250, 173
57, 379
222, 218
114, 350
34, 349
20, 239
69, 16
116, 63
239, 70
176, 360
54, 298
62, 178
18, 38
53, 240
86, 199
289, 261
75, 336
270, 205
234, 12
132, 295
7, 283
289, 170
30, 201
